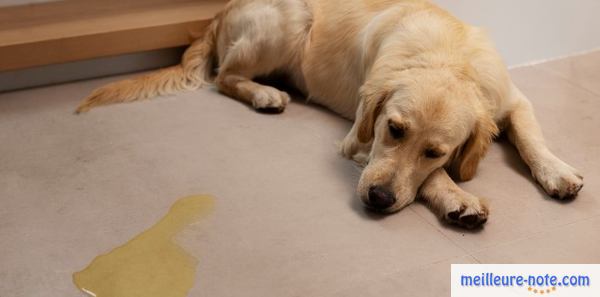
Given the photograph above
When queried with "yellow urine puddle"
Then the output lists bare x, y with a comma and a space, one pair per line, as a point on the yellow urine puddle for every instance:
151, 264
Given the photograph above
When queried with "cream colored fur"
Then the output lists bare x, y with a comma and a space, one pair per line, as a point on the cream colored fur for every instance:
389, 65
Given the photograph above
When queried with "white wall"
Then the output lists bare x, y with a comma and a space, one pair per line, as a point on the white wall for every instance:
525, 31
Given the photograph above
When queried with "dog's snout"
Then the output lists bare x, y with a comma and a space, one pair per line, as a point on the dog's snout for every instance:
380, 198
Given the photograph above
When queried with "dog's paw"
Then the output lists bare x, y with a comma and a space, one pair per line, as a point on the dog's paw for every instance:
466, 211
558, 179
269, 99
351, 149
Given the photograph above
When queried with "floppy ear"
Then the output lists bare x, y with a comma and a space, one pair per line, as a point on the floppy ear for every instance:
370, 108
467, 158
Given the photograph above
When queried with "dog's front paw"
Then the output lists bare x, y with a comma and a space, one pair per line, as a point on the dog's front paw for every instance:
558, 179
269, 99
353, 150
466, 210
348, 148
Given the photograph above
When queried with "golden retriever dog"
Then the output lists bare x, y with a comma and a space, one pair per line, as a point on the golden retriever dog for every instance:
427, 92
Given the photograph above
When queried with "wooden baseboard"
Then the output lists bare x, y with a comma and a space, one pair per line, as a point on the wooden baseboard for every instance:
72, 30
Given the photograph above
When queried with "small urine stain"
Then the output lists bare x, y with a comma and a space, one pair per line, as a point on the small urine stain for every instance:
151, 264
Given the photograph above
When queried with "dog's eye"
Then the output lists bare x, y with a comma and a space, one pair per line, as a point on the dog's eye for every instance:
433, 154
395, 131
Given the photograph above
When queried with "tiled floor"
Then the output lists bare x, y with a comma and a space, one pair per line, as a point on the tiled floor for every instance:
286, 221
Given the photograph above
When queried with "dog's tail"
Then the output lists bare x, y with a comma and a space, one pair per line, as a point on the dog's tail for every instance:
193, 72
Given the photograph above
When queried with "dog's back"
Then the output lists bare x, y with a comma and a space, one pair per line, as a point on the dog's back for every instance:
329, 53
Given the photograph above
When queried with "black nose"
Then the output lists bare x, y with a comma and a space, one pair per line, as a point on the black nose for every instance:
380, 198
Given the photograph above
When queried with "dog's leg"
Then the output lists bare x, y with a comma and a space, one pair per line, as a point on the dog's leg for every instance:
351, 147
258, 38
241, 87
557, 178
452, 203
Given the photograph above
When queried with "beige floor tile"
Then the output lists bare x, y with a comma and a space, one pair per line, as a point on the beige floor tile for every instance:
313, 257
429, 280
583, 70
576, 243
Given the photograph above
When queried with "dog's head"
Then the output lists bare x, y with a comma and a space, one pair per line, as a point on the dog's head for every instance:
419, 122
